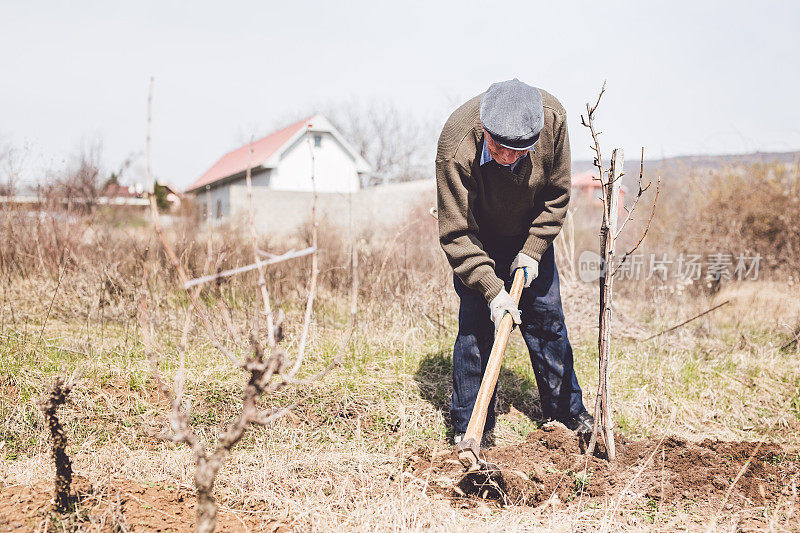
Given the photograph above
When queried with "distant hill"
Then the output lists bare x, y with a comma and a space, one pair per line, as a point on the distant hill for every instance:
677, 167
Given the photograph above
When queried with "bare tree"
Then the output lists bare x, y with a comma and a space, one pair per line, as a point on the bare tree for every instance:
269, 367
79, 187
610, 180
396, 144
11, 165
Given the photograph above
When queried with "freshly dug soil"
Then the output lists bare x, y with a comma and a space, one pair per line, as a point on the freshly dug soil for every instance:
551, 464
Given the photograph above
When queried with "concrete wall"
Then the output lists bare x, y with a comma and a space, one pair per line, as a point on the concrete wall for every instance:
375, 208
217, 200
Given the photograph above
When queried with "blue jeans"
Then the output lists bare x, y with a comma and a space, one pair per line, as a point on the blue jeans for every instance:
542, 329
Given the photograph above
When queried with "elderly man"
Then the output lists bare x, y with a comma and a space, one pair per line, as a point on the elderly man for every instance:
503, 186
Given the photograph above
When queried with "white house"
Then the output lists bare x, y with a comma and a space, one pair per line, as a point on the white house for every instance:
281, 161
282, 191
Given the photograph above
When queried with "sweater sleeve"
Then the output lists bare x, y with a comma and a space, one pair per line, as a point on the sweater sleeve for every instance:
458, 231
552, 200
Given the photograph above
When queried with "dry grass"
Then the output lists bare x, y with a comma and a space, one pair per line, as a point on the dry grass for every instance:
338, 463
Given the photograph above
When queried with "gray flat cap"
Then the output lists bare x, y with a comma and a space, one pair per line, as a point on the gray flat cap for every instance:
512, 113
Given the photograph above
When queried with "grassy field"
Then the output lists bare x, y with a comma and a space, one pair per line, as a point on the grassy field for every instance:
339, 461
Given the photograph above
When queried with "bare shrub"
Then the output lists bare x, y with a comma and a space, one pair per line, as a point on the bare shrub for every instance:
63, 501
750, 210
268, 364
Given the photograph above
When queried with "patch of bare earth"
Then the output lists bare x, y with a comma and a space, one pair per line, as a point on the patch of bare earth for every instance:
550, 468
120, 505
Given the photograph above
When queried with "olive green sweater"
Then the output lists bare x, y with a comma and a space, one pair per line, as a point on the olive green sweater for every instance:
478, 203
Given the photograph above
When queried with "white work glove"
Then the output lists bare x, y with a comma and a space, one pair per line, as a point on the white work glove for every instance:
502, 304
529, 264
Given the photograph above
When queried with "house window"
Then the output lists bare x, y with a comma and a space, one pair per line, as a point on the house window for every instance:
219, 209
317, 141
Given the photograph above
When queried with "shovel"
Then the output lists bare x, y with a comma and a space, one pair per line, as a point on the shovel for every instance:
470, 446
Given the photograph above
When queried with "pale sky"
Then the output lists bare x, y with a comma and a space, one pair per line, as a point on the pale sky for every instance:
683, 77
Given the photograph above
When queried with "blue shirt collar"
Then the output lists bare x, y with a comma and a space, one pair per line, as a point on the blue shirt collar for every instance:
486, 157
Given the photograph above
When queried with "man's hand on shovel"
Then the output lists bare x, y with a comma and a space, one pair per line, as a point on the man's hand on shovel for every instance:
502, 304
529, 266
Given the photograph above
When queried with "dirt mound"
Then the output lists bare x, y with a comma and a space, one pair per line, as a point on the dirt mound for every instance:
551, 464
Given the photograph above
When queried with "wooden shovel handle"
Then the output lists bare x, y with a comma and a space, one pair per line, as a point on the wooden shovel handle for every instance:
478, 419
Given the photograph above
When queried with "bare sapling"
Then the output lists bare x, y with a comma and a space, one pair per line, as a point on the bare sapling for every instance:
611, 182
56, 395
268, 366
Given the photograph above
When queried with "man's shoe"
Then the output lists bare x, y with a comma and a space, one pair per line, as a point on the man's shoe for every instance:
581, 423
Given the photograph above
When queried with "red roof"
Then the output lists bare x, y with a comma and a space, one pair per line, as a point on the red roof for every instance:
237, 160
